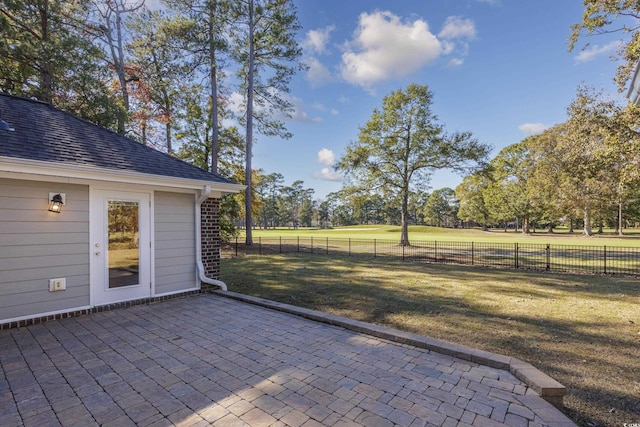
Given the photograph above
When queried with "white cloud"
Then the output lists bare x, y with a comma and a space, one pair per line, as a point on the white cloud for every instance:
317, 74
384, 47
532, 128
591, 53
314, 44
326, 157
457, 28
455, 62
316, 40
447, 47
236, 103
328, 175
299, 114
334, 112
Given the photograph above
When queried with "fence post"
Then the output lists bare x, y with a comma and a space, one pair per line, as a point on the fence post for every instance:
375, 252
605, 259
403, 246
298, 244
311, 244
472, 253
515, 251
349, 246
548, 250
280, 244
260, 245
435, 251
236, 246
327, 246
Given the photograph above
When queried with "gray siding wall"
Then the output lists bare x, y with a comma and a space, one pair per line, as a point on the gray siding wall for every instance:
37, 245
175, 247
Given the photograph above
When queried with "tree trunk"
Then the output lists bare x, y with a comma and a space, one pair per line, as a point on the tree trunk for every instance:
168, 137
117, 57
213, 81
404, 236
46, 89
587, 222
620, 218
525, 225
119, 65
249, 154
571, 225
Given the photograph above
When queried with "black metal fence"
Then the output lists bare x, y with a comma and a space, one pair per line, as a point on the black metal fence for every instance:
528, 256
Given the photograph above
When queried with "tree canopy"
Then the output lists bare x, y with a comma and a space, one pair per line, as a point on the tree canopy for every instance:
402, 144
612, 16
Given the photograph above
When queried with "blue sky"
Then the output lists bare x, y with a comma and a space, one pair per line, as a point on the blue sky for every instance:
497, 68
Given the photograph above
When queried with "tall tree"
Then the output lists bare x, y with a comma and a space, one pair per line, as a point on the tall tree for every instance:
265, 47
403, 144
46, 53
507, 196
157, 53
442, 208
293, 198
268, 189
624, 146
193, 134
470, 193
584, 158
544, 184
206, 41
110, 28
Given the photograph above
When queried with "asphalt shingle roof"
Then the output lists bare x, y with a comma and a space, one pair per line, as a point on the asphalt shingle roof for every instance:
45, 133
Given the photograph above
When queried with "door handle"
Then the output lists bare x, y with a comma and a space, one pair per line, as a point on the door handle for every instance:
98, 253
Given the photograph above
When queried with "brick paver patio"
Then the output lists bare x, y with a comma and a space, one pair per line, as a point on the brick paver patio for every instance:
208, 360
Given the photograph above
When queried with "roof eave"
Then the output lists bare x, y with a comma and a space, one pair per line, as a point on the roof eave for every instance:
75, 171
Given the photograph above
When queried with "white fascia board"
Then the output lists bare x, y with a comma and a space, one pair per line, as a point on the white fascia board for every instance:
634, 88
37, 167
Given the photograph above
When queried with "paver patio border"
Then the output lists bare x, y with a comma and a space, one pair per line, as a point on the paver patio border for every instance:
548, 388
35, 320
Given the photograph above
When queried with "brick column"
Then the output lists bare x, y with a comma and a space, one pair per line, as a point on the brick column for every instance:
210, 237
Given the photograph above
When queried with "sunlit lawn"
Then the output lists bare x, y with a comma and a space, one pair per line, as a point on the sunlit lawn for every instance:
124, 258
560, 236
582, 330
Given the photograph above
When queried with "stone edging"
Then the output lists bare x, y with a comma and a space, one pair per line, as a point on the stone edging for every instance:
548, 388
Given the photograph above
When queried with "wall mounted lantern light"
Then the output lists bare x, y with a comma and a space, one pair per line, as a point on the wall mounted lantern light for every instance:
56, 200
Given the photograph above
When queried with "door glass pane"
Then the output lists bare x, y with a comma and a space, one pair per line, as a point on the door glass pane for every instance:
124, 248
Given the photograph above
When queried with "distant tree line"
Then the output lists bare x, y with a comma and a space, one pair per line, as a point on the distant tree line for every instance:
580, 174
583, 172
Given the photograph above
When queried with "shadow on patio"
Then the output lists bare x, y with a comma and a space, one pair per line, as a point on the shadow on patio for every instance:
208, 360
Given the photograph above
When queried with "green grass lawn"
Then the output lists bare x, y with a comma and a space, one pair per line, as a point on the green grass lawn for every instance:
631, 237
582, 330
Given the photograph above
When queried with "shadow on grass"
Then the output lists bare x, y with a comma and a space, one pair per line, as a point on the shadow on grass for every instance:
566, 325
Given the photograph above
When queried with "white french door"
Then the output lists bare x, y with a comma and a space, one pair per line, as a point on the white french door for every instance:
120, 246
